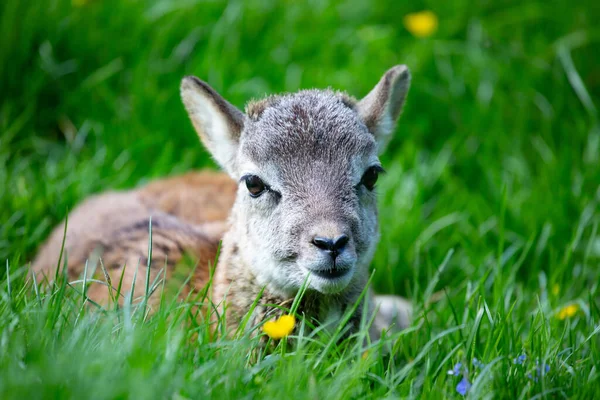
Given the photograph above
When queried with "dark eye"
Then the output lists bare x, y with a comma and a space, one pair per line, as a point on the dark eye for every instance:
369, 178
255, 185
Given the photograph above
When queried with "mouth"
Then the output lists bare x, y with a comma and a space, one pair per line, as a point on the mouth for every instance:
329, 277
330, 273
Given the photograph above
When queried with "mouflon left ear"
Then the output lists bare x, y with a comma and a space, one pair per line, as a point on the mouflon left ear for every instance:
218, 123
381, 108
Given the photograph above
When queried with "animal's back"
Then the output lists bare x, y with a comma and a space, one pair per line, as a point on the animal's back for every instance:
189, 216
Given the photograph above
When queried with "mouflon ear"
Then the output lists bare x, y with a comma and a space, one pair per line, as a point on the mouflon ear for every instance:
218, 123
381, 108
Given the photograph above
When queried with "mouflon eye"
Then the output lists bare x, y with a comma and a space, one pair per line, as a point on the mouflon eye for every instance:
255, 185
369, 178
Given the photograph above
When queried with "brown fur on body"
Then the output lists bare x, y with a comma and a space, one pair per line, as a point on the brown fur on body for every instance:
188, 215
321, 137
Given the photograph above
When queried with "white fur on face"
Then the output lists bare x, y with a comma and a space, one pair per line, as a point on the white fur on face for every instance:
265, 222
312, 150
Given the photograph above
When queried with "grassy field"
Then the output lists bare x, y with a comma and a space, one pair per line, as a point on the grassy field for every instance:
490, 208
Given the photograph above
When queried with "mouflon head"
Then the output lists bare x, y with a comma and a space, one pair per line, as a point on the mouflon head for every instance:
307, 166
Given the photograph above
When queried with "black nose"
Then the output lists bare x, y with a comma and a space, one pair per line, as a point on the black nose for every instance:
333, 246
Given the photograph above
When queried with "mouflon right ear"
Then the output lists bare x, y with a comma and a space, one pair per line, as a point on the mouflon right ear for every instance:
381, 108
218, 123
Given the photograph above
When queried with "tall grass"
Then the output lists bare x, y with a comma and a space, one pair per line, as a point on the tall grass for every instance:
489, 209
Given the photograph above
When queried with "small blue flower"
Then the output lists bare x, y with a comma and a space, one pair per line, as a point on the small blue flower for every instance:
456, 370
463, 386
531, 377
539, 368
477, 363
520, 360
538, 371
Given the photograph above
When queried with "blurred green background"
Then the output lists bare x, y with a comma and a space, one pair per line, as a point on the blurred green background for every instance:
498, 148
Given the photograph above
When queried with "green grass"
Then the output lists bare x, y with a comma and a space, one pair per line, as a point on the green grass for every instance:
490, 209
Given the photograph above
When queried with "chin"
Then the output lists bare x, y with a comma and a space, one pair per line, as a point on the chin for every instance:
328, 281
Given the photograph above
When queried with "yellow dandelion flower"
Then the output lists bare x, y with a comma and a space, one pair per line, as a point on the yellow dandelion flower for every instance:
421, 24
280, 328
568, 311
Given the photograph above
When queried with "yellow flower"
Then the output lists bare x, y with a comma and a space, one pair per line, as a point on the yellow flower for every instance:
421, 24
280, 328
568, 311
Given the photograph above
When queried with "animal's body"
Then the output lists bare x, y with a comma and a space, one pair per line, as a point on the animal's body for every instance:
297, 205
188, 215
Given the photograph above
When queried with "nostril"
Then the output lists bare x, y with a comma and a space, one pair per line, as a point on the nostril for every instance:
323, 243
340, 242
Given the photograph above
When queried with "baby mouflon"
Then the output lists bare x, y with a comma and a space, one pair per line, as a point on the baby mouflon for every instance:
297, 204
